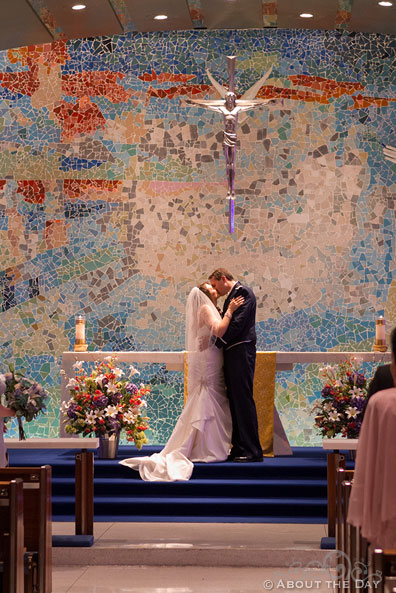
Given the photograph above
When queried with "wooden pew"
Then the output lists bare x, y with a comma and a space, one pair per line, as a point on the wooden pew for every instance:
383, 573
335, 459
84, 463
349, 541
343, 487
11, 536
37, 518
341, 505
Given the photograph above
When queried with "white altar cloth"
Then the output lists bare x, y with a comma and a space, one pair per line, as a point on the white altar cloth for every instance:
174, 361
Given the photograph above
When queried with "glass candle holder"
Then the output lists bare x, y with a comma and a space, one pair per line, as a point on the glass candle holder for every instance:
80, 344
380, 339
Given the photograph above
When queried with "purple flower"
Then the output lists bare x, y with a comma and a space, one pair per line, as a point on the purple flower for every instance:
358, 402
115, 398
356, 379
71, 412
114, 424
100, 401
360, 379
338, 405
132, 388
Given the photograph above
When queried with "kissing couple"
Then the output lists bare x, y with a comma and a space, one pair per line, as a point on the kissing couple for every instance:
219, 420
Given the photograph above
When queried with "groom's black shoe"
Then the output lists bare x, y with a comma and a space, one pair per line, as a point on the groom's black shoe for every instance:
246, 459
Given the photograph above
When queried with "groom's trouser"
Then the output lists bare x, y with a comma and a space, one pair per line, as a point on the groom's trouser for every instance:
239, 364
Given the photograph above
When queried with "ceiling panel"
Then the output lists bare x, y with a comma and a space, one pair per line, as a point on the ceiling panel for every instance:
19, 25
324, 14
97, 19
367, 16
143, 12
232, 14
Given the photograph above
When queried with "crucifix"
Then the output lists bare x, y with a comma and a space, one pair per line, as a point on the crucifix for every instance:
229, 106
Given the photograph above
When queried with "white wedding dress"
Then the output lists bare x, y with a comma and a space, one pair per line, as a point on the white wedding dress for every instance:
203, 431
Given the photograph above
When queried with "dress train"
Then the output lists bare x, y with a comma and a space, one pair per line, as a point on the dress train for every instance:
203, 430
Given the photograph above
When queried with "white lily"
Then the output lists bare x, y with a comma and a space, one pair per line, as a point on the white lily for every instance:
329, 371
112, 411
334, 415
90, 417
99, 380
352, 412
356, 392
130, 417
118, 372
112, 388
133, 371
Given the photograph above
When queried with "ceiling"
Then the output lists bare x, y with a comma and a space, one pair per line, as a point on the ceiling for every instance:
30, 22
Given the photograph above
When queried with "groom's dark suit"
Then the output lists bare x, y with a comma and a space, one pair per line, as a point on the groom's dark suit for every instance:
239, 345
382, 380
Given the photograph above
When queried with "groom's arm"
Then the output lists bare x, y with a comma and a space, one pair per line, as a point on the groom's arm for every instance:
241, 319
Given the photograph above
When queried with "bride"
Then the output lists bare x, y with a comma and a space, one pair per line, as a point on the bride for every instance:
203, 431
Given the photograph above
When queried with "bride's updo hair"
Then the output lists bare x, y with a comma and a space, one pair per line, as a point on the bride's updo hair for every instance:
204, 288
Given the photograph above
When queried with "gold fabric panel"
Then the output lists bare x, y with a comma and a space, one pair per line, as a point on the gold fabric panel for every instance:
263, 394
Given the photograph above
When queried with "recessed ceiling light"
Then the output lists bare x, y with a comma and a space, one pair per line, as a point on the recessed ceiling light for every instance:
160, 17
306, 15
383, 3
79, 7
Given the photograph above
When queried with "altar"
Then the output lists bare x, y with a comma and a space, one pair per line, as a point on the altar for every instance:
272, 434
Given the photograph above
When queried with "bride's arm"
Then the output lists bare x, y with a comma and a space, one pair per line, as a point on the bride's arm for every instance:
216, 325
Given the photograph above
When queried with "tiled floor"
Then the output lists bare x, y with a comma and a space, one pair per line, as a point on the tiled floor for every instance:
194, 558
186, 579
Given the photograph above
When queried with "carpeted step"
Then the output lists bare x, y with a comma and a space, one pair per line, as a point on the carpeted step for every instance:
290, 489
198, 507
216, 488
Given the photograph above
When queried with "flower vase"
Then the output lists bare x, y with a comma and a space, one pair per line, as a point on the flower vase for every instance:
108, 446
21, 431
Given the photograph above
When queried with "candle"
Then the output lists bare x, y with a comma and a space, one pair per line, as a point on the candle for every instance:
380, 330
80, 329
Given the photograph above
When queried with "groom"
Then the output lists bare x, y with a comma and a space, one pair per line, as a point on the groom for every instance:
239, 346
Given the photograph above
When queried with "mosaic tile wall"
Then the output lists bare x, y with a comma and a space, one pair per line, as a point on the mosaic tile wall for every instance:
112, 199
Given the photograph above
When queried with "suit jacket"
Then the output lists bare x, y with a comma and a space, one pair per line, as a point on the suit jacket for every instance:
242, 327
382, 380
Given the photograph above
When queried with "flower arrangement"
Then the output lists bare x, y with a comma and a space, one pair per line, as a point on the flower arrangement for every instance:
344, 399
104, 403
27, 398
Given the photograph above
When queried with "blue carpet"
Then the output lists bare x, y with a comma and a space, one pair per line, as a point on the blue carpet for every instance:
288, 489
72, 541
328, 543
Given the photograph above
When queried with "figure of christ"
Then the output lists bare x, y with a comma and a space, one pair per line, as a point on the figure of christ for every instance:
230, 107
